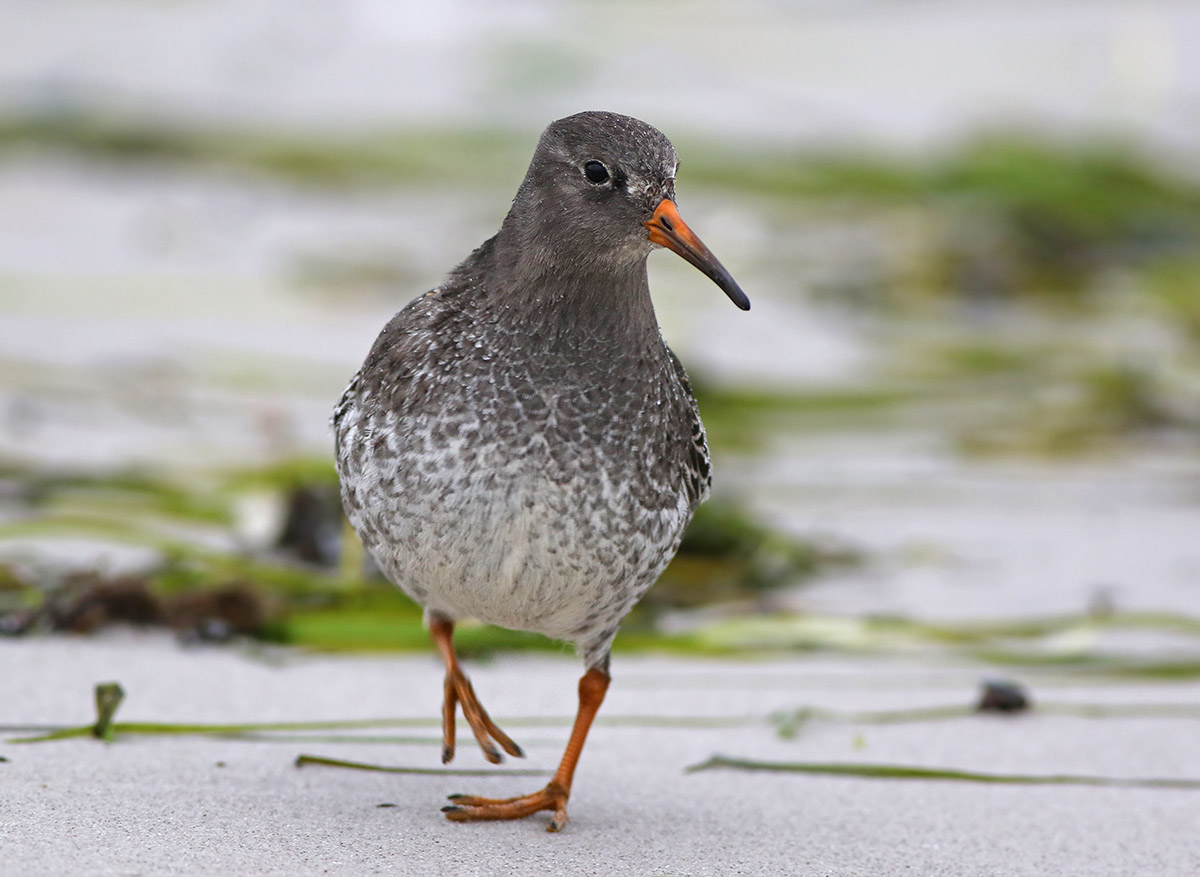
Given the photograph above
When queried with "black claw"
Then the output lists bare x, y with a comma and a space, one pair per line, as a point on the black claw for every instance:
451, 808
456, 796
520, 753
447, 754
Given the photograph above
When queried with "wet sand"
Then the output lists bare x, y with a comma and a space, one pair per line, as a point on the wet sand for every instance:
201, 805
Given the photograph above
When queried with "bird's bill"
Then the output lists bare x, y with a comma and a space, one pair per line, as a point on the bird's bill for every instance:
667, 229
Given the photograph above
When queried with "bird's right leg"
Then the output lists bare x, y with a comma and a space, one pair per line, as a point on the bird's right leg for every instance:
459, 691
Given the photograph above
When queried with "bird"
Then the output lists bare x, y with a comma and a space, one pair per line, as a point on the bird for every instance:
520, 446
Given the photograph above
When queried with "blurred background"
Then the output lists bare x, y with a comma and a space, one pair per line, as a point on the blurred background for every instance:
964, 412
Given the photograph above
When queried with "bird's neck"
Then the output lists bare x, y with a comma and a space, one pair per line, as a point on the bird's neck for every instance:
561, 301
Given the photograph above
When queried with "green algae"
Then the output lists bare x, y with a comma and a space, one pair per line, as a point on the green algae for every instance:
367, 158
909, 772
323, 761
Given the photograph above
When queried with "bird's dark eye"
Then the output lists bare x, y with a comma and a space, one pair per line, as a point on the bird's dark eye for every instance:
595, 172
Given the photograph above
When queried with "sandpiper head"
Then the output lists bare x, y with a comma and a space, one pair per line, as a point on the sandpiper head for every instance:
602, 187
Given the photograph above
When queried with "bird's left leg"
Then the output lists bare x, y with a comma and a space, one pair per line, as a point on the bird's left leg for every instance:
458, 690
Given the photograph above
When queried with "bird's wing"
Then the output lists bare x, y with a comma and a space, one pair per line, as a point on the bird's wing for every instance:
699, 471
347, 400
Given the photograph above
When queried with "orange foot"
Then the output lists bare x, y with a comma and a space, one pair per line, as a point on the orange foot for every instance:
458, 691
470, 808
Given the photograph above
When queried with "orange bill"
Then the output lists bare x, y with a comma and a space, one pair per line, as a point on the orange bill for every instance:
667, 229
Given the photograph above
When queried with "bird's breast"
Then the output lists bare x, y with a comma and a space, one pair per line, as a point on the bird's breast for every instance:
499, 498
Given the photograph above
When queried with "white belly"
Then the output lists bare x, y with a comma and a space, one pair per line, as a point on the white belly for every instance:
518, 549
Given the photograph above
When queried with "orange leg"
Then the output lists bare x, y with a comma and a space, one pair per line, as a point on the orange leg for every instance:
469, 808
459, 691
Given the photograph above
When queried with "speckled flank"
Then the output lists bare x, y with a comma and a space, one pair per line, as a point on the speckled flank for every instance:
520, 446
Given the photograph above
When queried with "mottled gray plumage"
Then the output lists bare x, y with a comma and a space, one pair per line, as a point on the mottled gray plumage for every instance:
520, 446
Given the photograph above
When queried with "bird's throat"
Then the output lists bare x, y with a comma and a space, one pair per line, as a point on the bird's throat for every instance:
581, 304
